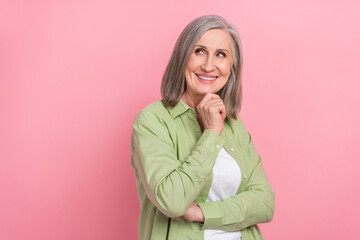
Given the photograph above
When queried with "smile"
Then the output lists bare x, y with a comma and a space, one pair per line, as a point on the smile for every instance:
206, 78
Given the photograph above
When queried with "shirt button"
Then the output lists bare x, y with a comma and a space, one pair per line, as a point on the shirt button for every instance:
232, 149
218, 146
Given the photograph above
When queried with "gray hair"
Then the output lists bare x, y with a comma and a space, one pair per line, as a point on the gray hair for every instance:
173, 84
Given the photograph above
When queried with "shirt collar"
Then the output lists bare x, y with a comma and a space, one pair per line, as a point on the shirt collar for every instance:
179, 109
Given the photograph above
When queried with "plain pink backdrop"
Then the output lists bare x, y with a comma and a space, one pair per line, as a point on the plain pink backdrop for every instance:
73, 74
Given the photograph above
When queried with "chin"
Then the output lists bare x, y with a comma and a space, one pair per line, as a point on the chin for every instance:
204, 92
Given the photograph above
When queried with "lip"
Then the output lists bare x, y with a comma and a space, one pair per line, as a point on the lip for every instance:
206, 78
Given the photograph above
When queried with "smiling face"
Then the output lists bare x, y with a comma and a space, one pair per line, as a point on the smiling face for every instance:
209, 65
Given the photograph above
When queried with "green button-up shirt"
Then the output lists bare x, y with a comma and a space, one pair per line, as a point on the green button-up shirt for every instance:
173, 163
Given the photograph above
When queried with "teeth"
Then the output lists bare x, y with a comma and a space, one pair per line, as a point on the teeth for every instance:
206, 78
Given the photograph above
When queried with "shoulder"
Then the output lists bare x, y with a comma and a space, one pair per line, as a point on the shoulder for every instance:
237, 128
152, 121
236, 125
153, 113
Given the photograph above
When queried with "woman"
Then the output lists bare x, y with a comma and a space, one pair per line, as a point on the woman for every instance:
198, 174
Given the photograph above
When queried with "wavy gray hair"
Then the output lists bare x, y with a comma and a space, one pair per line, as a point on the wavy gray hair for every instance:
173, 84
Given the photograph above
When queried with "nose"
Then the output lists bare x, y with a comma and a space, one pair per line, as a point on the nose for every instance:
208, 64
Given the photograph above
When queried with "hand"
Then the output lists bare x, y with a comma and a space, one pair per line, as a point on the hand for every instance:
212, 112
194, 213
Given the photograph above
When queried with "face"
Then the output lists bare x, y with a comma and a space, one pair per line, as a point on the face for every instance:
209, 65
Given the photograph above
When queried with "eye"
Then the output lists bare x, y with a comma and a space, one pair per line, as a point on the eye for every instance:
221, 54
199, 51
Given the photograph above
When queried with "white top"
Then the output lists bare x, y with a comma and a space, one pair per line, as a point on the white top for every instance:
226, 181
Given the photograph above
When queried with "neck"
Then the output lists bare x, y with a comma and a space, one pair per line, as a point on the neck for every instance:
191, 100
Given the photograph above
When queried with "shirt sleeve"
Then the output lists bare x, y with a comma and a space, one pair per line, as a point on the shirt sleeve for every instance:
170, 184
253, 205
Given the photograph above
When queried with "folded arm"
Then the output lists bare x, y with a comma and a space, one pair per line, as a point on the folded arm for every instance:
171, 185
253, 205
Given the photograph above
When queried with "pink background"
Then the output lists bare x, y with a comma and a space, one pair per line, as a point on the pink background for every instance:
73, 74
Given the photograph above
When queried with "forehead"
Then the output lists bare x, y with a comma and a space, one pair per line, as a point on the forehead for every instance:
217, 39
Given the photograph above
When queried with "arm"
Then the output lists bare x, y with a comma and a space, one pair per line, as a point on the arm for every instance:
171, 185
253, 205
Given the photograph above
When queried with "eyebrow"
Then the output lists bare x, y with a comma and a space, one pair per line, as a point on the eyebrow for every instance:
219, 50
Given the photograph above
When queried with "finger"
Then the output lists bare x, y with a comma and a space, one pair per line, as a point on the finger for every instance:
210, 96
210, 103
220, 108
215, 96
207, 97
214, 105
208, 100
223, 115
213, 102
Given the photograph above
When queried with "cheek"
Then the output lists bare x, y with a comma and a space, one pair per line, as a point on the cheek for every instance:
192, 63
225, 68
225, 71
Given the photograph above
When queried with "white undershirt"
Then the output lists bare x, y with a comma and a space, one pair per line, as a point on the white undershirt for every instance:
226, 181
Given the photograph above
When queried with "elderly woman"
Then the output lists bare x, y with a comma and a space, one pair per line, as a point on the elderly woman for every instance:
198, 174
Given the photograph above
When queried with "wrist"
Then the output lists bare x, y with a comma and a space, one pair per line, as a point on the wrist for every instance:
200, 217
217, 130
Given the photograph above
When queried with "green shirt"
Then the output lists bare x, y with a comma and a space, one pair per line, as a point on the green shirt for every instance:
173, 163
